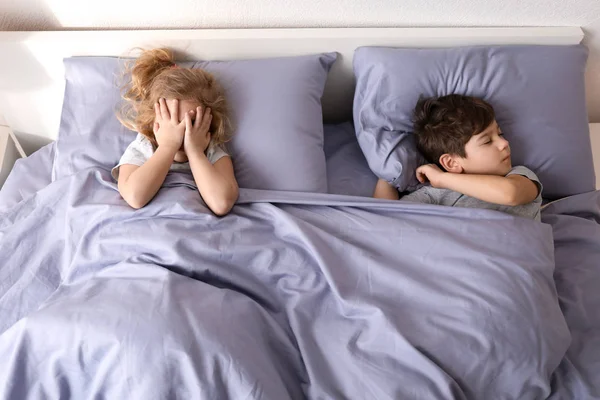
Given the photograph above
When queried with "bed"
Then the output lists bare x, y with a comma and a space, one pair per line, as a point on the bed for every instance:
321, 293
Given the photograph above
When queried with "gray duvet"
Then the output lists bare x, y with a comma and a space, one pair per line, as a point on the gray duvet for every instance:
292, 296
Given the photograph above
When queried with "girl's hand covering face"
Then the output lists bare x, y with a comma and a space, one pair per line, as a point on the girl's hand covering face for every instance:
168, 130
197, 131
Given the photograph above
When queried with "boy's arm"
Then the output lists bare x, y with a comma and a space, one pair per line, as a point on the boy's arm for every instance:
384, 190
138, 185
513, 190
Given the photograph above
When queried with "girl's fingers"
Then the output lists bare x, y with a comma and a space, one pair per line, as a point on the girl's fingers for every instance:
208, 127
188, 122
190, 115
206, 119
164, 110
156, 111
198, 120
207, 130
156, 127
174, 110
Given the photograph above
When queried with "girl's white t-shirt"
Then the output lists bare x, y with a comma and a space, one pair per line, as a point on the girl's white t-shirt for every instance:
140, 150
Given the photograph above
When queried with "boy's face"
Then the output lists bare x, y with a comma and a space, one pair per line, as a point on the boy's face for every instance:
487, 153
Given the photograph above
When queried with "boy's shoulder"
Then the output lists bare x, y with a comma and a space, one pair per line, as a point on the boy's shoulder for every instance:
527, 173
523, 170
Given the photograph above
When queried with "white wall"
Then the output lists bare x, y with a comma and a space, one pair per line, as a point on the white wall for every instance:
124, 14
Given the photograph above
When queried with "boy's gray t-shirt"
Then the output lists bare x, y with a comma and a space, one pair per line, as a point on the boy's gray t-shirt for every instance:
447, 197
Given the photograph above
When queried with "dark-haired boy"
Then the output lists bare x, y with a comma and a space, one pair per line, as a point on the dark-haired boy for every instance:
470, 160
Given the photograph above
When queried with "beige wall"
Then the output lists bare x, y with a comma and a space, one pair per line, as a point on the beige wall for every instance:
115, 14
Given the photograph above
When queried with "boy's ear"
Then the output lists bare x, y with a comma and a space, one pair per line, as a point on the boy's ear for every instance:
451, 163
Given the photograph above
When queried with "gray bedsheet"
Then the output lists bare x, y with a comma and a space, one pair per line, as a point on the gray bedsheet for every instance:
576, 225
27, 177
292, 295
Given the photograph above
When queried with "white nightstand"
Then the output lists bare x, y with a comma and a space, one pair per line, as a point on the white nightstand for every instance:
10, 150
595, 137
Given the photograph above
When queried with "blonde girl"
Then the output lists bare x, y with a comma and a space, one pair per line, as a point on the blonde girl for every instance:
181, 118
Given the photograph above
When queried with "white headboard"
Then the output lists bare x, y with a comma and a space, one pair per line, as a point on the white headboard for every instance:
31, 71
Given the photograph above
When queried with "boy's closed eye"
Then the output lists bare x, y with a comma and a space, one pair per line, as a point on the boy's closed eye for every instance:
488, 140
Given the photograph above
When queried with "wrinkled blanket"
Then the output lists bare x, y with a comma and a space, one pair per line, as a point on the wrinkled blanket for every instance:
291, 295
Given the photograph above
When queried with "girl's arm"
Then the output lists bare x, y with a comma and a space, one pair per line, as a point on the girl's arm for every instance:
138, 185
216, 183
384, 190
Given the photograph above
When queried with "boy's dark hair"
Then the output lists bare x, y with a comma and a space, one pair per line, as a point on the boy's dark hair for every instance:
445, 124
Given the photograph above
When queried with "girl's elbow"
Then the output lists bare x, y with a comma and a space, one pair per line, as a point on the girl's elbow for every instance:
134, 201
221, 210
135, 204
222, 206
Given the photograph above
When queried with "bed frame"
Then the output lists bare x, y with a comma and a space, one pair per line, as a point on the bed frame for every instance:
31, 72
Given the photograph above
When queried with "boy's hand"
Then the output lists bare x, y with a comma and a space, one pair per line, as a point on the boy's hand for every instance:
169, 132
197, 133
430, 173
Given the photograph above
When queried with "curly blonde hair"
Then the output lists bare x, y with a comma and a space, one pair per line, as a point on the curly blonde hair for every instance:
154, 74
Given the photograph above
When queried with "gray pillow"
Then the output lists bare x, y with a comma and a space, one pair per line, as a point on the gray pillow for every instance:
347, 170
537, 92
276, 105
